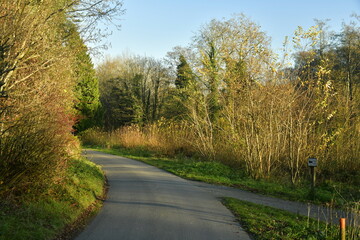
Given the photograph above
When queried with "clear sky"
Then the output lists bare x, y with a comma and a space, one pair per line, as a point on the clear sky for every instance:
154, 27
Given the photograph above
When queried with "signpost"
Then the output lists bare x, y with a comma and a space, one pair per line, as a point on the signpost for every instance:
312, 163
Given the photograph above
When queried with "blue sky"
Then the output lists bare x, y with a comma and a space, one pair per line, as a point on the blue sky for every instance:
154, 27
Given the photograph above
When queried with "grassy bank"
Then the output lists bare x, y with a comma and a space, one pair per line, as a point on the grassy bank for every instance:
218, 173
51, 214
264, 222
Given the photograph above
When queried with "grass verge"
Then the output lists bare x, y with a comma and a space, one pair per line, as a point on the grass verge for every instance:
218, 173
51, 215
269, 223
264, 222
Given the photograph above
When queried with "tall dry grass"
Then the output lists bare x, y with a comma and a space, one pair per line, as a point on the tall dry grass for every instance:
164, 137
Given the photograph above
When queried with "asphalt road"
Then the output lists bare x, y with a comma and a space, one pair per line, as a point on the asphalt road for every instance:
145, 202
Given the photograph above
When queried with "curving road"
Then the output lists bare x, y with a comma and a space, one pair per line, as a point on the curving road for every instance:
145, 202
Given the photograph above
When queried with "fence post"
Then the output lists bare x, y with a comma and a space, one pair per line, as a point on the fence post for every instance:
342, 229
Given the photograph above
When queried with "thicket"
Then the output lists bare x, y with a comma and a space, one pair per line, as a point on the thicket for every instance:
47, 85
227, 97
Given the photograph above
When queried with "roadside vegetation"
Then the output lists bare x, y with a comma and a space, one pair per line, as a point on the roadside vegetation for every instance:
60, 210
48, 92
264, 222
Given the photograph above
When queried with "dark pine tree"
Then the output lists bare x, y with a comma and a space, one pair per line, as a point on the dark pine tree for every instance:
87, 85
184, 74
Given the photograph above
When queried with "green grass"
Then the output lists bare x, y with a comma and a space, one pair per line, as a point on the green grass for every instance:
46, 216
218, 173
264, 222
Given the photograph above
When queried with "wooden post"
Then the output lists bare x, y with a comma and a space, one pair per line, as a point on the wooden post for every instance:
342, 229
313, 178
312, 163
